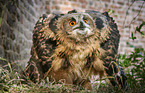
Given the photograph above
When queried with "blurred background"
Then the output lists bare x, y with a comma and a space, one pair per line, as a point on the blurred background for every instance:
18, 18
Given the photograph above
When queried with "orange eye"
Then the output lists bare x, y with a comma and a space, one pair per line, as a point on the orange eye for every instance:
72, 23
86, 21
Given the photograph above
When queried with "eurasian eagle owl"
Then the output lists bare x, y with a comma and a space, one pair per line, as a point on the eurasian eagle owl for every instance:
75, 46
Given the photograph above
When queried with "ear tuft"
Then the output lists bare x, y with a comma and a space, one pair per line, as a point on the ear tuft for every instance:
73, 11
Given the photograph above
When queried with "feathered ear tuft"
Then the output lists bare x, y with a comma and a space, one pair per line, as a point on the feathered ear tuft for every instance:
73, 11
106, 14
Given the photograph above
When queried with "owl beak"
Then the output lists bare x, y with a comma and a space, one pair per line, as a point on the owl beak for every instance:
82, 26
82, 30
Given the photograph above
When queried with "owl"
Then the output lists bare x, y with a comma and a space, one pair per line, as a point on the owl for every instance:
73, 47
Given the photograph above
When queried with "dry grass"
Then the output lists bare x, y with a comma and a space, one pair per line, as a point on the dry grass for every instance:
10, 82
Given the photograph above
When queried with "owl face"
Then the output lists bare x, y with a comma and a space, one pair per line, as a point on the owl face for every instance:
78, 26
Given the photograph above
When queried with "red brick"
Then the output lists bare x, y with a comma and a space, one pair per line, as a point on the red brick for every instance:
55, 2
91, 8
63, 8
57, 7
47, 7
83, 5
120, 2
106, 0
115, 6
106, 9
53, 7
140, 19
83, 1
66, 3
47, 2
75, 5
121, 12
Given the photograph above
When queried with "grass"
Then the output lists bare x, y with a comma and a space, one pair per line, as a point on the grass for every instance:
11, 81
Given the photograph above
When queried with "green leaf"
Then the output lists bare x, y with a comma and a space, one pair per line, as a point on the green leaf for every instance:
138, 29
109, 10
127, 43
115, 15
132, 36
124, 56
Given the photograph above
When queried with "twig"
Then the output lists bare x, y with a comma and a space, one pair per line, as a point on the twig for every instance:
136, 15
127, 13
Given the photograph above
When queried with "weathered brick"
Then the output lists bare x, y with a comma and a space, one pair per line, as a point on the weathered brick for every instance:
115, 6
66, 8
47, 7
121, 12
47, 2
11, 19
37, 2
91, 8
75, 5
57, 7
83, 5
66, 3
10, 55
53, 7
83, 1
31, 2
28, 34
5, 28
106, 0
12, 6
25, 54
140, 19
120, 2
54, 2
24, 17
2, 53
32, 11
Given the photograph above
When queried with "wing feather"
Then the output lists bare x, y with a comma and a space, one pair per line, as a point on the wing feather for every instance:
44, 44
110, 45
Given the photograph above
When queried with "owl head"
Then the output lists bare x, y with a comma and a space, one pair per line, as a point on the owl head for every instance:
77, 26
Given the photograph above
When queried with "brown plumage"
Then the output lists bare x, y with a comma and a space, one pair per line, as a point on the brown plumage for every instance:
75, 46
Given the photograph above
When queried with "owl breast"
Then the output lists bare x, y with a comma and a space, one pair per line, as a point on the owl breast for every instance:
78, 61
79, 57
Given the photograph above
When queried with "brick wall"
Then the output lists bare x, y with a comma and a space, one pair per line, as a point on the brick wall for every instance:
18, 20
120, 15
20, 16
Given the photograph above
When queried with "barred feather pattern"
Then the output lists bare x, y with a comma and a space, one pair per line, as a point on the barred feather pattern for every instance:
55, 54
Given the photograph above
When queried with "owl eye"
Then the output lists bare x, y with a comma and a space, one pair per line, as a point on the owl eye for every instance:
72, 23
86, 21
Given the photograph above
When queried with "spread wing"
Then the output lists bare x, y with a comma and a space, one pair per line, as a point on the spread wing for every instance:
111, 46
44, 44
